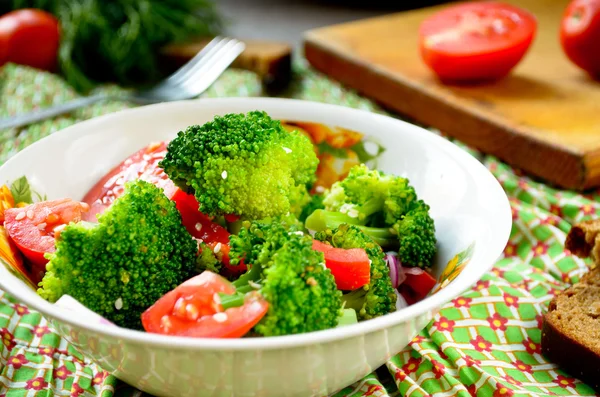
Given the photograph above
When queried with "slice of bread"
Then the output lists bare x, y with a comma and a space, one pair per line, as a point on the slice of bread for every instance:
571, 326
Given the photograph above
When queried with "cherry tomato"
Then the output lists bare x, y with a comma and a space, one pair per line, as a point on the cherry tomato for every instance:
198, 224
29, 37
35, 227
416, 286
351, 268
193, 309
476, 41
143, 164
580, 35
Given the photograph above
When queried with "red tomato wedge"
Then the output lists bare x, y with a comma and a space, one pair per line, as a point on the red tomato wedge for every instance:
580, 34
351, 268
192, 310
33, 228
143, 164
476, 41
417, 286
198, 224
222, 254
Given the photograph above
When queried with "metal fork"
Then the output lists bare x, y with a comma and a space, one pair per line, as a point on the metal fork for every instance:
187, 82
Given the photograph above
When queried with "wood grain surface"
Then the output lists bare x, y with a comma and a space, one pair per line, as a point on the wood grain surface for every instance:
544, 118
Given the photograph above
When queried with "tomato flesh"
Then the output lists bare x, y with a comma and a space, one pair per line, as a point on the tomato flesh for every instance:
193, 310
143, 165
33, 228
417, 286
580, 34
476, 41
351, 268
198, 224
29, 37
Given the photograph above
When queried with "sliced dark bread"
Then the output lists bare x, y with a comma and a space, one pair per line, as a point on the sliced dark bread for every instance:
571, 326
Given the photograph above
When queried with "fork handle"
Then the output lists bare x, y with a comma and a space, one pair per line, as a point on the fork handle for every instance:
53, 111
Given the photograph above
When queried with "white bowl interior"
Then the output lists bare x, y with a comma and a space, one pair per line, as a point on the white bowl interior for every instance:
467, 203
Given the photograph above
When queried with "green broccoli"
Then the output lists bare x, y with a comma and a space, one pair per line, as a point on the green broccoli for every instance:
291, 276
242, 164
137, 252
207, 259
385, 207
376, 298
315, 203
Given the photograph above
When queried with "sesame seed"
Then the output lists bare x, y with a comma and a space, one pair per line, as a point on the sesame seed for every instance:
217, 298
254, 284
319, 189
198, 226
42, 226
30, 214
59, 228
119, 304
353, 213
165, 323
20, 216
192, 312
220, 317
311, 281
224, 174
287, 150
217, 248
299, 233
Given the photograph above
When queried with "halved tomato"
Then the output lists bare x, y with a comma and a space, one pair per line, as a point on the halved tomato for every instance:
193, 309
198, 224
33, 228
476, 41
143, 165
580, 34
351, 268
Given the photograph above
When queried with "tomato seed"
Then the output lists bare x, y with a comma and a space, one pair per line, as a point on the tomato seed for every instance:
52, 218
220, 317
20, 216
30, 214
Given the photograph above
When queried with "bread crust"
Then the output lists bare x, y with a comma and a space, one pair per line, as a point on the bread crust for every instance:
570, 355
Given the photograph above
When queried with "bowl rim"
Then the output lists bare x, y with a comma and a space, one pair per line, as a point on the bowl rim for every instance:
456, 287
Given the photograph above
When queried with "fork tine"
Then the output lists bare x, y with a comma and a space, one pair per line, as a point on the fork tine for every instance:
213, 66
216, 69
189, 65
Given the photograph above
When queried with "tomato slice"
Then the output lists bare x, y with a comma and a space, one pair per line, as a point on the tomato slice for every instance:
222, 254
143, 165
580, 33
193, 310
476, 41
351, 268
198, 224
417, 286
33, 228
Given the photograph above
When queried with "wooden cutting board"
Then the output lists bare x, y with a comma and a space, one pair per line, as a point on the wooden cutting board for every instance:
544, 118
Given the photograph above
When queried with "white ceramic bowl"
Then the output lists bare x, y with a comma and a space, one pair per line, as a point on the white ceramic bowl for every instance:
467, 204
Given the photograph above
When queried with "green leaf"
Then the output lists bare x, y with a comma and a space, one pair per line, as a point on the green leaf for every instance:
21, 191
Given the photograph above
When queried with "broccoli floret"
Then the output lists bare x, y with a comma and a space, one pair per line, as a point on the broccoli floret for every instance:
242, 164
138, 251
376, 298
207, 260
383, 206
315, 203
292, 277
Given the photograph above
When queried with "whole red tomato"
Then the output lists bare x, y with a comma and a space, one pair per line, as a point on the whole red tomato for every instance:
580, 35
29, 37
476, 41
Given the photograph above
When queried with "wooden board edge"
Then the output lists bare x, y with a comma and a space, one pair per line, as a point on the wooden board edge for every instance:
508, 145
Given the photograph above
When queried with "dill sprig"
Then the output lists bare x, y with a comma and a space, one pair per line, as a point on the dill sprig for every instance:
118, 40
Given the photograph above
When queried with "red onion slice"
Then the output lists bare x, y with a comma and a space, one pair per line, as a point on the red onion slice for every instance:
396, 271
415, 271
400, 302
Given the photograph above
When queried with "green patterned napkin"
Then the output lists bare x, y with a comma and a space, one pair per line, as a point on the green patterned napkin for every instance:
484, 343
